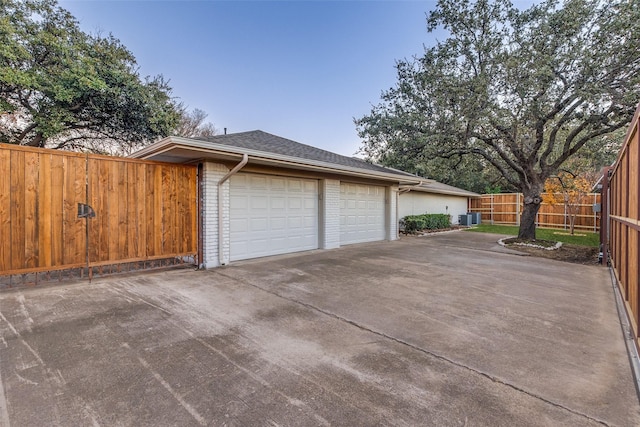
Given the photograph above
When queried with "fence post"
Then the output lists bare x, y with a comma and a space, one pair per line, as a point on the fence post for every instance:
595, 214
491, 209
604, 217
518, 209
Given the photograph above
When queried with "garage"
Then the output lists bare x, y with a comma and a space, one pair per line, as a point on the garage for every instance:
362, 213
271, 215
264, 195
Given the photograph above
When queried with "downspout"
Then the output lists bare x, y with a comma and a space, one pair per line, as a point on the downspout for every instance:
245, 159
200, 216
397, 225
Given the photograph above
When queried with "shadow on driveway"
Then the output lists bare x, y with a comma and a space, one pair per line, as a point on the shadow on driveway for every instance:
443, 330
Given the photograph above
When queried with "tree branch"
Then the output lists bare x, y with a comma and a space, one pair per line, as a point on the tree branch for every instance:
574, 149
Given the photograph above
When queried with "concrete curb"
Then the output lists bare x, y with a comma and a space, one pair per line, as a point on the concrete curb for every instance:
558, 245
435, 233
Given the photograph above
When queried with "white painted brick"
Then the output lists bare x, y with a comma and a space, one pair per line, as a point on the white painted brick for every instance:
212, 173
392, 212
331, 214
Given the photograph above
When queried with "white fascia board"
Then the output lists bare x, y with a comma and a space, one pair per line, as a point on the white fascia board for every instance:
169, 143
462, 193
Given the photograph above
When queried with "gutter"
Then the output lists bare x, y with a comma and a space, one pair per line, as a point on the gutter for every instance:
243, 162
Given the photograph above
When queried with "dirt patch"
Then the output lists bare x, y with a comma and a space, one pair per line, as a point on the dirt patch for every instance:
585, 255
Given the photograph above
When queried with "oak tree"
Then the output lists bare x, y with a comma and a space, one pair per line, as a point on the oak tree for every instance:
522, 90
63, 88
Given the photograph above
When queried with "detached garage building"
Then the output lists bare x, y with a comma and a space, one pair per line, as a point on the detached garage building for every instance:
264, 195
435, 198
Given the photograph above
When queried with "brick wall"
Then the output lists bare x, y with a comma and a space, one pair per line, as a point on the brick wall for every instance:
212, 173
330, 214
392, 213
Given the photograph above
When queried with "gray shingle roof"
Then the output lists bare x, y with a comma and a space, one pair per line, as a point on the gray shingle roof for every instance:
268, 143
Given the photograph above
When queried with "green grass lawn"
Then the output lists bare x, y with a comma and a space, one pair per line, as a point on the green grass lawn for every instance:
582, 238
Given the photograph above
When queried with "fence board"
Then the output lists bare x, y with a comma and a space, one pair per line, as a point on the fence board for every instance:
140, 212
57, 210
149, 209
17, 210
506, 208
168, 211
5, 209
111, 211
144, 210
74, 235
123, 201
44, 212
622, 243
158, 229
31, 209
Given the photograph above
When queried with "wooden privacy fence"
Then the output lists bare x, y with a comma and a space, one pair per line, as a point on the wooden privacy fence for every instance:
143, 210
505, 208
620, 236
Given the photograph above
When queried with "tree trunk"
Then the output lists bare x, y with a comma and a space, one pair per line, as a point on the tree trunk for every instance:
572, 218
528, 218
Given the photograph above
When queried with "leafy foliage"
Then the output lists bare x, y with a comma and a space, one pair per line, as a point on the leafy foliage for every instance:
522, 91
63, 88
414, 223
465, 172
570, 190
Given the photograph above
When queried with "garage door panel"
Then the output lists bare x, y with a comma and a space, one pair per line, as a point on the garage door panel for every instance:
277, 184
258, 202
258, 224
240, 203
295, 186
241, 181
310, 222
272, 215
309, 203
295, 203
239, 225
256, 182
278, 203
362, 213
278, 223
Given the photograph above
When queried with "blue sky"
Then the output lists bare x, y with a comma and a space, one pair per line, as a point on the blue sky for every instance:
298, 69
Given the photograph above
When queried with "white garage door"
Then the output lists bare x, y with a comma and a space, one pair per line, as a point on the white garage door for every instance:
272, 215
362, 213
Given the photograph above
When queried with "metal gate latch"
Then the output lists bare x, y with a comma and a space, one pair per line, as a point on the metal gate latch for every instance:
85, 211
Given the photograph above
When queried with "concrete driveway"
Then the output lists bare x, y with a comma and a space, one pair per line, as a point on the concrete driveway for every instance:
445, 330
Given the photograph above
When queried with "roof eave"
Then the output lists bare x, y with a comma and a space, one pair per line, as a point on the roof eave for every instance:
463, 193
204, 147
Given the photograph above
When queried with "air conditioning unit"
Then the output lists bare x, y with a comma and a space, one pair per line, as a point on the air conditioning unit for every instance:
476, 217
465, 219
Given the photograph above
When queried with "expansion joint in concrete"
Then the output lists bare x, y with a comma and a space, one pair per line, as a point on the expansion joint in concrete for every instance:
422, 350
